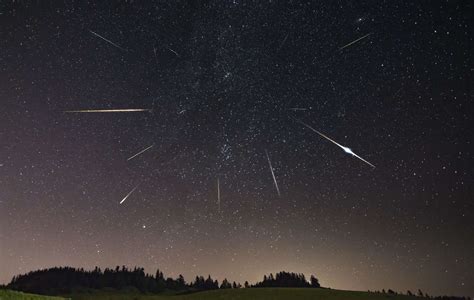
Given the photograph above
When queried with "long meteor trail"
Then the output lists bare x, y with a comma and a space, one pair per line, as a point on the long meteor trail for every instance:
108, 41
346, 149
128, 195
353, 42
107, 110
273, 174
135, 155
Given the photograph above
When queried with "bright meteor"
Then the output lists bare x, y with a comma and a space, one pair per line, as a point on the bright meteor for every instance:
128, 195
346, 149
107, 110
108, 41
135, 155
353, 42
273, 174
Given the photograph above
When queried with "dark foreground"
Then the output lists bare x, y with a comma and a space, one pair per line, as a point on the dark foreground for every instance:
233, 294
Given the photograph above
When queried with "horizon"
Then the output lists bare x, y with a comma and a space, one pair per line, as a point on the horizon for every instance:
191, 278
238, 138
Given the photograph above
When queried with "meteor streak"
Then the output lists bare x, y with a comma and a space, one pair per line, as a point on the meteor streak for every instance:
353, 42
176, 53
156, 58
133, 190
133, 156
297, 109
282, 43
273, 174
107, 110
346, 149
108, 41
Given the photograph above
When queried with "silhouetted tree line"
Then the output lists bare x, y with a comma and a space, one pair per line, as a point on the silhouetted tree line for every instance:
60, 280
420, 294
286, 279
63, 280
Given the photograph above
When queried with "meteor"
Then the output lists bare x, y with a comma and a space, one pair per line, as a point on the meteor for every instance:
346, 149
176, 53
297, 109
353, 42
273, 174
133, 190
133, 156
108, 110
282, 43
156, 58
108, 41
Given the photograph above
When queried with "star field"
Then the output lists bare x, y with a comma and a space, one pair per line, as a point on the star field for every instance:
223, 85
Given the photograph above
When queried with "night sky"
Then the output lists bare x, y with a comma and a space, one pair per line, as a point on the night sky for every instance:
230, 88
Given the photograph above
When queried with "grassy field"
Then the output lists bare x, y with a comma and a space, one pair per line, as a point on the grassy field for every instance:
12, 295
249, 294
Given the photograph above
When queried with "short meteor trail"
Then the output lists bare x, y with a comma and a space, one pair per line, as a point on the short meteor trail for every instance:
273, 174
156, 58
133, 190
133, 156
297, 109
346, 149
353, 42
176, 53
108, 41
283, 42
107, 110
